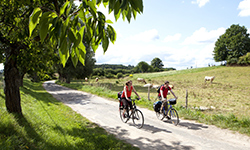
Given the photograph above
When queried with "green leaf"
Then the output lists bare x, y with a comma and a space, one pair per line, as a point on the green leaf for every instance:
134, 13
95, 45
124, 4
74, 56
98, 2
111, 5
71, 35
82, 15
109, 21
34, 19
105, 3
92, 8
117, 10
128, 15
63, 57
82, 47
44, 25
81, 56
81, 31
68, 9
105, 43
62, 9
137, 5
111, 33
63, 46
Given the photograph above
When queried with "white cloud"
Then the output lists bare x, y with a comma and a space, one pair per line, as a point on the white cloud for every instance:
244, 7
180, 58
201, 3
146, 36
170, 38
202, 36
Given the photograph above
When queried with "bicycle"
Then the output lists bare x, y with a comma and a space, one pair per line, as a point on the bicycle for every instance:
136, 115
171, 114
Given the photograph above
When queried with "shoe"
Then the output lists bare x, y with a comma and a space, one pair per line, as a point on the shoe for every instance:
168, 117
123, 115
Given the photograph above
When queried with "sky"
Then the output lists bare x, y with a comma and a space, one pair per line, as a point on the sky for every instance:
182, 33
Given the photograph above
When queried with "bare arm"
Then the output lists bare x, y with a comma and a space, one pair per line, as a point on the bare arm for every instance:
136, 93
125, 92
161, 91
173, 94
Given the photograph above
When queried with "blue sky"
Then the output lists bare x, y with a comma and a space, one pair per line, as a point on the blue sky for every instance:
182, 33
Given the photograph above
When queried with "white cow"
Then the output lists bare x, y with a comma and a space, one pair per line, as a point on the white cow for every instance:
208, 78
141, 80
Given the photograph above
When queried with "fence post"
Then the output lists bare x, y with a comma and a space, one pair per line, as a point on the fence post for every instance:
186, 99
149, 93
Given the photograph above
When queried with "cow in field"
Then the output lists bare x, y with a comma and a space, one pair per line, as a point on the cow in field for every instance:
209, 78
141, 80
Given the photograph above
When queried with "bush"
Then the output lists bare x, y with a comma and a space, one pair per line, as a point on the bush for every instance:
109, 75
119, 75
244, 60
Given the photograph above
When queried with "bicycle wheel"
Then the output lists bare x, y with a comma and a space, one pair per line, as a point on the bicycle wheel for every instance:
159, 115
138, 118
121, 116
173, 116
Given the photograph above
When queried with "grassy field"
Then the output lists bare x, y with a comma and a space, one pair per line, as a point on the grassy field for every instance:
48, 124
229, 94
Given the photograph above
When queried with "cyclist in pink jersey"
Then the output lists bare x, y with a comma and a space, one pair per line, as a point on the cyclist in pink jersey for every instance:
126, 96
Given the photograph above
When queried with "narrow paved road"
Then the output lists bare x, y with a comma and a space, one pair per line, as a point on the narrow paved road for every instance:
155, 134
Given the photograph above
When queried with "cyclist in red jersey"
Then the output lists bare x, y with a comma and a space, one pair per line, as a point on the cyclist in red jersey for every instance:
163, 94
126, 96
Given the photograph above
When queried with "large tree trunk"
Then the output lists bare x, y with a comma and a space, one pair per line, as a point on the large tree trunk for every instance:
12, 83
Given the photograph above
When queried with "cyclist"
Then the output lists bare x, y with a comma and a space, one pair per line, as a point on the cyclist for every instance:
163, 95
126, 97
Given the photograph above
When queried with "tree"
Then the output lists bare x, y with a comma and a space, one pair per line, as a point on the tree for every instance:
53, 23
80, 71
157, 64
234, 43
14, 40
143, 67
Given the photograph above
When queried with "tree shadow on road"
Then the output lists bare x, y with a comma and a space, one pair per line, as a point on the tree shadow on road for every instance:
192, 126
154, 129
146, 142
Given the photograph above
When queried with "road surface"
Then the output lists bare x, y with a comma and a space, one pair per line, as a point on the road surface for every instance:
155, 134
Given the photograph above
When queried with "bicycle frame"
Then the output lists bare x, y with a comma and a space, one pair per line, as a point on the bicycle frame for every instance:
169, 108
136, 115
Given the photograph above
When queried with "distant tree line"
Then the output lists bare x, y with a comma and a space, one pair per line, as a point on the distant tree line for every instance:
118, 70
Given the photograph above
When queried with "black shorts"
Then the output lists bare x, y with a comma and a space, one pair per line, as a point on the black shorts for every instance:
126, 103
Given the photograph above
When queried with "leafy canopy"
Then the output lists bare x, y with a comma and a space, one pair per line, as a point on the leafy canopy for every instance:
68, 29
234, 43
157, 63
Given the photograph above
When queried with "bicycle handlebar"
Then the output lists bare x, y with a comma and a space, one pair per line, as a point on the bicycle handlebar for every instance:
134, 99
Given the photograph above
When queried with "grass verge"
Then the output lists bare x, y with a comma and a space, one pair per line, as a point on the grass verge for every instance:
48, 124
